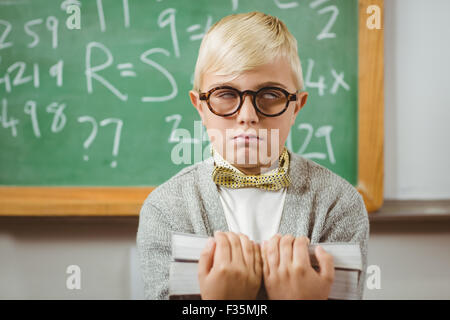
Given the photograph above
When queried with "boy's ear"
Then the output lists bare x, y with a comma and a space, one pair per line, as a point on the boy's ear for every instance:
196, 102
299, 104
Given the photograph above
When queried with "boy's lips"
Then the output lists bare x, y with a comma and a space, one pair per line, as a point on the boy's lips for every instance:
244, 136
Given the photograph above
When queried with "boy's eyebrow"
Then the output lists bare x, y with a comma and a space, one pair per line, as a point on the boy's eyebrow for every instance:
264, 84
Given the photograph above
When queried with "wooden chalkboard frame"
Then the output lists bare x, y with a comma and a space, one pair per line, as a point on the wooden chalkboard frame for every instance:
127, 201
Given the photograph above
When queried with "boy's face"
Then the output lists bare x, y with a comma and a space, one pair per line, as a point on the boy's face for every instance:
271, 132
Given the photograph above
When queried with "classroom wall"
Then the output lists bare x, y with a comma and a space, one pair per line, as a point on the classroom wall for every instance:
35, 252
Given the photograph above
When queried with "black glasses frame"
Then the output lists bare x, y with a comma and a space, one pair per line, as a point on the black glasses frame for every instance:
290, 97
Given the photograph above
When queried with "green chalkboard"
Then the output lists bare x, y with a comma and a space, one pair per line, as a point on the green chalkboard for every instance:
107, 104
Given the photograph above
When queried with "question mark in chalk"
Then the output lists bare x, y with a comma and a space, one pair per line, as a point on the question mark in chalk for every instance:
119, 123
91, 137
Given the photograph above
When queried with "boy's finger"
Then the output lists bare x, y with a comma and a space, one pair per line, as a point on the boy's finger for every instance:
301, 253
236, 249
247, 250
326, 264
273, 252
266, 268
206, 258
258, 260
223, 249
286, 244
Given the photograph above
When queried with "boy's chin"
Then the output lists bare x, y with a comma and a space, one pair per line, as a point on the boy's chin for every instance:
249, 157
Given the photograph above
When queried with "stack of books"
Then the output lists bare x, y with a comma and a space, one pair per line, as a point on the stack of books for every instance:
186, 250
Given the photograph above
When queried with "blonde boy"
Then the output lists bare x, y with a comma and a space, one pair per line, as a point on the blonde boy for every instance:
260, 203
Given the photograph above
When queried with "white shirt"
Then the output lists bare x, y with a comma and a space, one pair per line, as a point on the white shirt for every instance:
252, 211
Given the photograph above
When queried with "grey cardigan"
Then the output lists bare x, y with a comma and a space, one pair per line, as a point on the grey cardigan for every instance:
319, 204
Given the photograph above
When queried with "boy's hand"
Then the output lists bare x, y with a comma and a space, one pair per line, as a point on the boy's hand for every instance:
288, 273
230, 268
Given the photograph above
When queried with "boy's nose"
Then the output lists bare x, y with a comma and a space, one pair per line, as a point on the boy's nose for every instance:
247, 113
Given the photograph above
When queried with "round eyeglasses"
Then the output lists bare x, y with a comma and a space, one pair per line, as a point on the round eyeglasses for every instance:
225, 101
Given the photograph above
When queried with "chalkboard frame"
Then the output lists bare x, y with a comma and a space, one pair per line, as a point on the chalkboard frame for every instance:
127, 201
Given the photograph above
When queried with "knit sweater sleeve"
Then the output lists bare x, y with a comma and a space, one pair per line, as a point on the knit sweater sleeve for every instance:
348, 221
154, 251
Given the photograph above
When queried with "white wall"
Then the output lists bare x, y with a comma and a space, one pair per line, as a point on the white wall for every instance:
414, 259
417, 99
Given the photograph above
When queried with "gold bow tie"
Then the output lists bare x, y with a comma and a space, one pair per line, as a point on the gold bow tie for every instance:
228, 176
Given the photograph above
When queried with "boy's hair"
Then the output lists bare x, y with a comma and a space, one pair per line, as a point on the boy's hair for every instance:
241, 42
